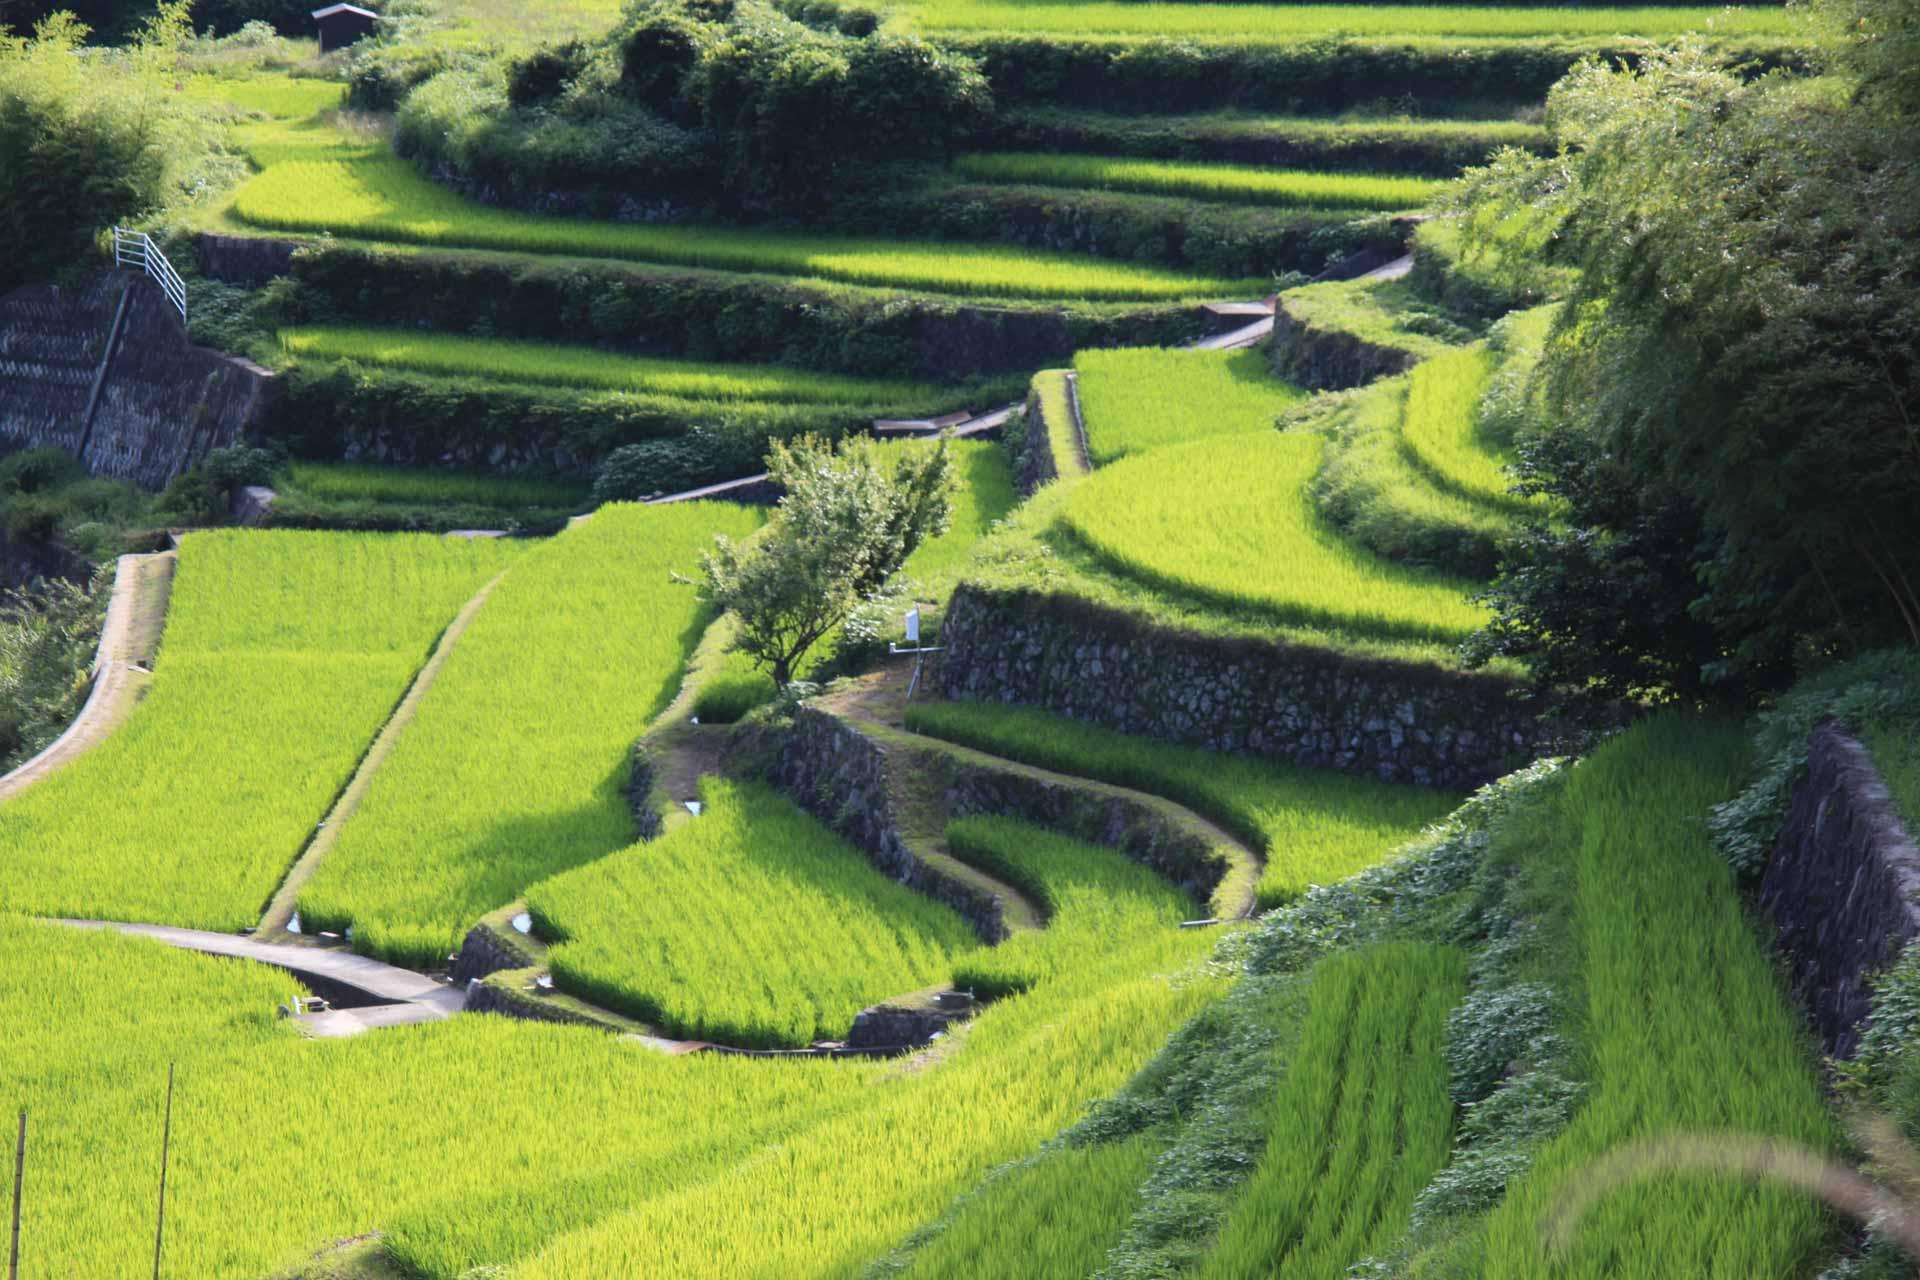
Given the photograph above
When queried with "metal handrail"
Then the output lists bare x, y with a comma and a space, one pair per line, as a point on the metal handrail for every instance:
137, 249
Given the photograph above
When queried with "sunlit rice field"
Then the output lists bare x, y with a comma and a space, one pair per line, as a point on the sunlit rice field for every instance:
514, 767
1441, 429
1240, 529
1226, 182
555, 364
283, 655
752, 924
1289, 23
1137, 398
375, 482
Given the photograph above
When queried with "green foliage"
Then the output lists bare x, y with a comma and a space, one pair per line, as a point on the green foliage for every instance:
1231, 183
663, 931
847, 520
1399, 144
1360, 1122
733, 693
91, 139
373, 496
1738, 387
1877, 692
479, 799
1314, 827
1140, 398
982, 496
1302, 23
260, 708
1242, 530
37, 470
47, 637
1051, 1218
1094, 899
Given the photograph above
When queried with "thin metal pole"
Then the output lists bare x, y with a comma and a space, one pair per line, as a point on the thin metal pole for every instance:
19, 1169
166, 1142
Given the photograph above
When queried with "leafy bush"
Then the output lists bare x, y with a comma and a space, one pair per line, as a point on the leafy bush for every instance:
47, 639
732, 694
35, 470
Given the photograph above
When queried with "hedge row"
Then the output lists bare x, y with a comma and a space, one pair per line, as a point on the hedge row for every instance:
1333, 74
710, 316
1222, 240
1439, 150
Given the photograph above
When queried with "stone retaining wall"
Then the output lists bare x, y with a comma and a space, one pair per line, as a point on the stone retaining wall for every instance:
1329, 359
1401, 722
1843, 885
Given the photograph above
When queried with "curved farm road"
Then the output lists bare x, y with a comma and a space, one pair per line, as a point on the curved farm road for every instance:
122, 666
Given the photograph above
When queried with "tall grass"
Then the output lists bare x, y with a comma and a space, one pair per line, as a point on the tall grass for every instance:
1362, 1119
752, 924
1225, 182
514, 766
1683, 1022
554, 364
364, 193
1239, 528
283, 655
1139, 398
1052, 1219
1299, 23
1094, 898
1314, 826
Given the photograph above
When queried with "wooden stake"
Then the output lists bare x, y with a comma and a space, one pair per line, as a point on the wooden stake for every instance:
19, 1169
166, 1142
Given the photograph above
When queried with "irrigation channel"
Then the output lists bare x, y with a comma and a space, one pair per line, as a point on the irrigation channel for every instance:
361, 994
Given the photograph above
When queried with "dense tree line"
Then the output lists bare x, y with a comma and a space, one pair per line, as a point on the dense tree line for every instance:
1732, 385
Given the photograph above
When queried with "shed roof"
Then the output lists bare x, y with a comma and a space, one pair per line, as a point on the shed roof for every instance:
332, 9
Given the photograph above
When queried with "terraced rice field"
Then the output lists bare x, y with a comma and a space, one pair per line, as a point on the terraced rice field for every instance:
374, 482
1314, 826
514, 768
558, 365
1139, 398
1677, 1003
313, 184
752, 925
283, 655
1441, 429
1294, 23
1093, 897
1361, 1121
1240, 530
1225, 182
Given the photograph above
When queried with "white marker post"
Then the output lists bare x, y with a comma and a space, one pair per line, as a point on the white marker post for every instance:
914, 647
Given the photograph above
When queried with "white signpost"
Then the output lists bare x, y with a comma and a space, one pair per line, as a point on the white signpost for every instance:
914, 647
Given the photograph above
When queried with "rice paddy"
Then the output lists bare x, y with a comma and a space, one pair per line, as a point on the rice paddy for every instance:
365, 193
1314, 826
513, 769
1294, 23
751, 925
1241, 530
374, 482
1140, 398
284, 653
1441, 429
1226, 182
557, 365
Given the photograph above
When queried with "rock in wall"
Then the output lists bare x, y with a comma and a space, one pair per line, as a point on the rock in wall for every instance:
1401, 722
1843, 885
1329, 359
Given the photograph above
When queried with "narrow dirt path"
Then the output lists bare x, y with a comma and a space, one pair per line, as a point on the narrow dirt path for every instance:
280, 910
880, 699
122, 666
1399, 269
403, 995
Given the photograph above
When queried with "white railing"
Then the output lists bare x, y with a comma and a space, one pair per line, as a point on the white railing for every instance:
137, 249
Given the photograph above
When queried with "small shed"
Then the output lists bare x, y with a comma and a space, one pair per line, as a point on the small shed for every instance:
342, 24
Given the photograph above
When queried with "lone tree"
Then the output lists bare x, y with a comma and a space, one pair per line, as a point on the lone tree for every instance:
850, 518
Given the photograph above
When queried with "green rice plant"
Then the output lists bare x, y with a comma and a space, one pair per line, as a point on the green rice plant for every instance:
1314, 826
1094, 898
1682, 1023
1053, 1218
985, 496
554, 364
738, 689
1139, 398
278, 97
1442, 435
1240, 528
359, 191
1300, 23
1227, 182
377, 482
1361, 1121
514, 767
752, 924
284, 653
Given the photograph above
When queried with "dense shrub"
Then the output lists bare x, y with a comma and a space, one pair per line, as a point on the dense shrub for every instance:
47, 638
90, 138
